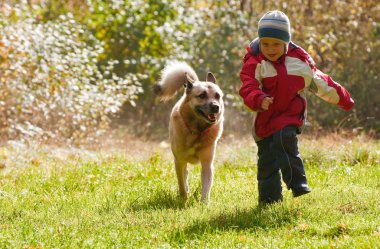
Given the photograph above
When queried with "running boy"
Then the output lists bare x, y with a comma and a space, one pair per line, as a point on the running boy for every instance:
275, 74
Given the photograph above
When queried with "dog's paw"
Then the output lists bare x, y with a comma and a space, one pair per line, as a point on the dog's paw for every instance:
205, 200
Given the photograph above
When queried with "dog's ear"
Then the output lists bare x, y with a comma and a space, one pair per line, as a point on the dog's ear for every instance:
189, 82
210, 78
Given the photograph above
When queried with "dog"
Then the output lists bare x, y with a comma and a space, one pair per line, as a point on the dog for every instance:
196, 122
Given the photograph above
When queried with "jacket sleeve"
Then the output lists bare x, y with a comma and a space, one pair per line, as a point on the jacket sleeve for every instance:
325, 87
250, 89
332, 92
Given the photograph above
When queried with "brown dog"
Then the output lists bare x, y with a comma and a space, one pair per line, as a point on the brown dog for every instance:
196, 122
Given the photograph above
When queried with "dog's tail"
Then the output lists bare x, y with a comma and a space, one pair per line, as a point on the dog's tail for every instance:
172, 79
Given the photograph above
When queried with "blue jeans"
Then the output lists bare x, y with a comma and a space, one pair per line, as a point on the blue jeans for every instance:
279, 152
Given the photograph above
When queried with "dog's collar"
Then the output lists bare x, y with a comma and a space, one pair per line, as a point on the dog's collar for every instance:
197, 132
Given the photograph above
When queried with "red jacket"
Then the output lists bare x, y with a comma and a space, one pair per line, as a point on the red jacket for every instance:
285, 80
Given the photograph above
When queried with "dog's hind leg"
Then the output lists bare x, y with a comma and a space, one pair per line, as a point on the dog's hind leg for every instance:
181, 171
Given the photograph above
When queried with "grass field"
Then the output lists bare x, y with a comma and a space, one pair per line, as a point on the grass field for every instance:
54, 197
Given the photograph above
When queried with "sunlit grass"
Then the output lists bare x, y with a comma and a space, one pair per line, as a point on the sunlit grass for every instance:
66, 198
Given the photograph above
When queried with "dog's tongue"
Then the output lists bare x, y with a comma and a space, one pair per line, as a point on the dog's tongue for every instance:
212, 117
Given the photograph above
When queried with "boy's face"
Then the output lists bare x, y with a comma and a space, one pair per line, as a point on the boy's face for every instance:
272, 48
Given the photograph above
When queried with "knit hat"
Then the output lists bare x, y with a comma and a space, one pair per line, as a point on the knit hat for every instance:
275, 24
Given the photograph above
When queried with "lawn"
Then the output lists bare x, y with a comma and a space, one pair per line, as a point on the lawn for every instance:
126, 197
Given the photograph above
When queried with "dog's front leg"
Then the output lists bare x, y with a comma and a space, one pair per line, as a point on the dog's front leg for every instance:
181, 171
207, 158
207, 179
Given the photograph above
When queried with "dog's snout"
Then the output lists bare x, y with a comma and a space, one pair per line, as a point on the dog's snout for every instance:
214, 108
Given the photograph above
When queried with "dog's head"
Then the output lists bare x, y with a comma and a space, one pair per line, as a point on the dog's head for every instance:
205, 98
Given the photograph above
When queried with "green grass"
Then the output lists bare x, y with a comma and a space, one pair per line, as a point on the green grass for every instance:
66, 198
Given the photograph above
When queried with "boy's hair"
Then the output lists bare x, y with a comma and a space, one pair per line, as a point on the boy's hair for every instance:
275, 24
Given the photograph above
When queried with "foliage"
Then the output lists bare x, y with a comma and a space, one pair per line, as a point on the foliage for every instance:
214, 37
218, 46
65, 198
143, 35
51, 85
127, 43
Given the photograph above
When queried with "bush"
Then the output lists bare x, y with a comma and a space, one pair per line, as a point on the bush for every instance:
52, 86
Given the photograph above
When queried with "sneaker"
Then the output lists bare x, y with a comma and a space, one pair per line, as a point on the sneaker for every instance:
301, 191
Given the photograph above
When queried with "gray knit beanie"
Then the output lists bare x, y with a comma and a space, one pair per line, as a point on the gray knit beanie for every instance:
275, 24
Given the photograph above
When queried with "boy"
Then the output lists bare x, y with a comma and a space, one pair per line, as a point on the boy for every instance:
275, 74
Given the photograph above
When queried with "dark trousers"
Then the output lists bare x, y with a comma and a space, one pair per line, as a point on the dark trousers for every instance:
279, 152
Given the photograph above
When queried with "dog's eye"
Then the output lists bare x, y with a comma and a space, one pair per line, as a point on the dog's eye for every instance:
203, 95
217, 96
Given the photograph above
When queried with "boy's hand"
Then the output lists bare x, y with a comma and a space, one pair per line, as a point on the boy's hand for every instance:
266, 102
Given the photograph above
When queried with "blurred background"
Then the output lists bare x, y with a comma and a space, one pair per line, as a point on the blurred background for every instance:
74, 71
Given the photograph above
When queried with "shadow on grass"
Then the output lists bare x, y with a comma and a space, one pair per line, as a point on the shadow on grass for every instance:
260, 217
162, 199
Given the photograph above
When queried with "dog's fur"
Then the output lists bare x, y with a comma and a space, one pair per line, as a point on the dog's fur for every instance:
196, 122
